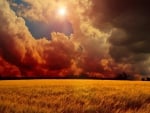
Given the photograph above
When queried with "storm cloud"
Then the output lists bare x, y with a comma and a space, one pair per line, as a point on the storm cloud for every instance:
129, 23
108, 37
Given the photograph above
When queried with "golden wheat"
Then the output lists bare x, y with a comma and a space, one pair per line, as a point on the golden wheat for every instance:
74, 96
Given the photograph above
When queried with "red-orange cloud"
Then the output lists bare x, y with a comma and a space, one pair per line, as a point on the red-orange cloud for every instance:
87, 51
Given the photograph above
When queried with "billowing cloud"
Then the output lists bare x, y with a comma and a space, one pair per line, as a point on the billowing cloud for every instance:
108, 37
129, 23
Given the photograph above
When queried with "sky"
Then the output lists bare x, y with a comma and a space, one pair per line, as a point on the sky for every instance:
96, 38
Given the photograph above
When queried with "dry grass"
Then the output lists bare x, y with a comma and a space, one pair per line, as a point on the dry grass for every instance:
74, 96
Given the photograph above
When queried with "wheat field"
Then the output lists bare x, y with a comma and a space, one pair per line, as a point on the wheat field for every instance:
74, 96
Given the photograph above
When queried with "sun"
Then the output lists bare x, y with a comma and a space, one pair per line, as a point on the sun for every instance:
61, 11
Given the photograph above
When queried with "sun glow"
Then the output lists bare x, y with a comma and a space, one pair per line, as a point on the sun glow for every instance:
62, 11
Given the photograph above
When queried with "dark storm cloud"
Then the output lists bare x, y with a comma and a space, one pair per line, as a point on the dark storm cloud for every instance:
129, 22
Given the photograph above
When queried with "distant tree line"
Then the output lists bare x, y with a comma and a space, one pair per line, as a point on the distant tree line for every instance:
127, 76
146, 79
119, 76
124, 76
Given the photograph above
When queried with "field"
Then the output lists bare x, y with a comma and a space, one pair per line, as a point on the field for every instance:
74, 96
